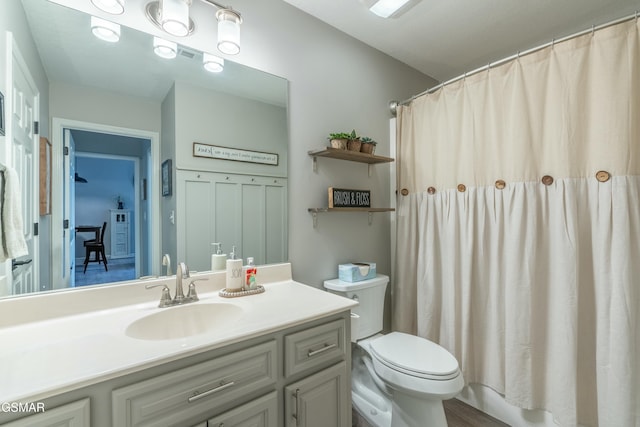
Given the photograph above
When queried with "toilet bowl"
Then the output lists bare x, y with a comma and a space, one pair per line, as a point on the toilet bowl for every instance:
398, 380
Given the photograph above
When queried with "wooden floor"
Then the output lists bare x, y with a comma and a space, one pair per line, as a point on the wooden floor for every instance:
458, 414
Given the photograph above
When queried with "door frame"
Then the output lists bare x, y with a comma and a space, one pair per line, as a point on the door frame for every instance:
57, 140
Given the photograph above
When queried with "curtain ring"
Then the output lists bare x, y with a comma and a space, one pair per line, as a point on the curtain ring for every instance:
431, 190
500, 184
547, 180
462, 188
603, 176
404, 191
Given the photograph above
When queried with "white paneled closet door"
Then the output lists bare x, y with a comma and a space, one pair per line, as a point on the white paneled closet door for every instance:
248, 212
23, 108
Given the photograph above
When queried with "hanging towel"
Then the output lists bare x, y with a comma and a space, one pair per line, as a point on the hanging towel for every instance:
12, 240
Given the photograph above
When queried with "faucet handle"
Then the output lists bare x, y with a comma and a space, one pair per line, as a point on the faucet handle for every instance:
192, 295
165, 298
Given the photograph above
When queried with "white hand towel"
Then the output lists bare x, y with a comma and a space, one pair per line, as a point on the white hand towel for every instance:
12, 240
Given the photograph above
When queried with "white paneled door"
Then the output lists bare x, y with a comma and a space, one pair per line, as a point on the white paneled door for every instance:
23, 107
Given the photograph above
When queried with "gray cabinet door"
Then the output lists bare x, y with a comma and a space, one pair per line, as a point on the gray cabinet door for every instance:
74, 414
320, 400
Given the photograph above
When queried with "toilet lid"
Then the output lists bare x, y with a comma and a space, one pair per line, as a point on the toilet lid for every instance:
414, 356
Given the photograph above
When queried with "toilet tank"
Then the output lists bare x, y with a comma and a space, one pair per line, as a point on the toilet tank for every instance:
370, 296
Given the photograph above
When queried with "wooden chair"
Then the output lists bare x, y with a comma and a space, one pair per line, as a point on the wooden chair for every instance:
96, 246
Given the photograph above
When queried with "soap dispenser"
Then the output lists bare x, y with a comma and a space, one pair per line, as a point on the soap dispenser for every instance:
234, 272
218, 259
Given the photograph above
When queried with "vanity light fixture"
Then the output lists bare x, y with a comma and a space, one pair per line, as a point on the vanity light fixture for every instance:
114, 7
165, 48
386, 8
228, 31
212, 63
105, 30
172, 16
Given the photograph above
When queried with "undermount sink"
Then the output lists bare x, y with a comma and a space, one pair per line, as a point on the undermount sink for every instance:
183, 321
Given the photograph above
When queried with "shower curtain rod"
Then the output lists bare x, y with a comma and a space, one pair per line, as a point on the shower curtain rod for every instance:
594, 28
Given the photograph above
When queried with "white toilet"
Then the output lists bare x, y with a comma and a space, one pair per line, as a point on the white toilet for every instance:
397, 380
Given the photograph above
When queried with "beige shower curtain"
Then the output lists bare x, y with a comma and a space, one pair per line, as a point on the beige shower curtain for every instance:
518, 227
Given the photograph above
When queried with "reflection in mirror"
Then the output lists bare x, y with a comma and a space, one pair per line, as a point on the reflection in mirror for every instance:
121, 111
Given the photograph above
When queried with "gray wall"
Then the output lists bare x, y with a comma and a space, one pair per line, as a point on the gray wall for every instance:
168, 151
107, 108
336, 84
217, 118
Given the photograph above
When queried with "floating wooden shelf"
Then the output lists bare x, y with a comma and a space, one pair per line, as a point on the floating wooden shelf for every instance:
370, 211
352, 156
318, 210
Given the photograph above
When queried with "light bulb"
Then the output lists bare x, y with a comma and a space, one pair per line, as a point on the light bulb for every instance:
228, 31
105, 30
164, 48
114, 7
213, 63
174, 17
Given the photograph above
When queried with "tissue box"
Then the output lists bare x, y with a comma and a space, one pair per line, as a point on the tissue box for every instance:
357, 271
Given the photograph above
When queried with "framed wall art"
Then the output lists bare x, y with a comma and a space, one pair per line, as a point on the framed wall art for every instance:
1, 114
45, 176
166, 178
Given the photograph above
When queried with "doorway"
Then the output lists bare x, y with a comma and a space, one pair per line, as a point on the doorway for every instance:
107, 175
105, 192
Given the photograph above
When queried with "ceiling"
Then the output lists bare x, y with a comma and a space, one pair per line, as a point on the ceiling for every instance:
71, 55
446, 38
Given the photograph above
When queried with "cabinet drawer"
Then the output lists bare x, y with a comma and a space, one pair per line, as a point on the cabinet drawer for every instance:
314, 346
196, 391
262, 412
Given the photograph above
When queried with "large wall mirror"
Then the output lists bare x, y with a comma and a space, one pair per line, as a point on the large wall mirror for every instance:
114, 166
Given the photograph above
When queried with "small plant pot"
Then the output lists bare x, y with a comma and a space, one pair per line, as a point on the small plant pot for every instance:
354, 145
340, 144
367, 148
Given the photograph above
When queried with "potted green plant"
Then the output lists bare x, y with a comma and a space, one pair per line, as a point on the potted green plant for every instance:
354, 141
339, 140
367, 145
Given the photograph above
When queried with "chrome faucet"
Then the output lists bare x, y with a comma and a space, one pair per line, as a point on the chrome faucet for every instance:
166, 261
182, 272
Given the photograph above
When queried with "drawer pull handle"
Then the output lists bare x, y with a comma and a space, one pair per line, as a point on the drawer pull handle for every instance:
326, 347
222, 386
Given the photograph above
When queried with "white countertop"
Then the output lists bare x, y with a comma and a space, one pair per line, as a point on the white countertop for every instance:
54, 355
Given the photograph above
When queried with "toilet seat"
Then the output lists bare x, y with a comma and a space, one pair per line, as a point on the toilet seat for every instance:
414, 356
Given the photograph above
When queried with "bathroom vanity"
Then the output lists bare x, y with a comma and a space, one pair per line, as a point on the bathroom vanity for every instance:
280, 358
